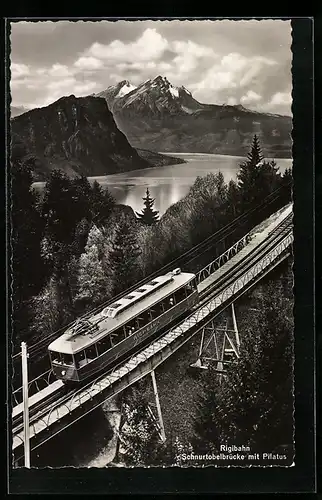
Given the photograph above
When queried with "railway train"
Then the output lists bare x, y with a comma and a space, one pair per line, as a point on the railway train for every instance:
101, 341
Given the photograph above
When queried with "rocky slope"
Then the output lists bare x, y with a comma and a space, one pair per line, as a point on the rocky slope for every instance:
77, 135
161, 117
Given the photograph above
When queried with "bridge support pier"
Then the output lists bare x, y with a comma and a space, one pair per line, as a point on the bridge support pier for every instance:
158, 406
226, 342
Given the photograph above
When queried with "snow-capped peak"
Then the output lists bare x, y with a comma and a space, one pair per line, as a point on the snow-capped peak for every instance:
174, 91
125, 89
185, 90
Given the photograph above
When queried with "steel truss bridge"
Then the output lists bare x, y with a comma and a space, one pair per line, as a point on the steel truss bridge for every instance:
220, 284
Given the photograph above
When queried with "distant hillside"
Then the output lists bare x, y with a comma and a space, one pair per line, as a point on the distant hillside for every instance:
77, 135
158, 116
17, 110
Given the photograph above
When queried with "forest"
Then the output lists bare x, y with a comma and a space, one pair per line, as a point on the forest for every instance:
73, 247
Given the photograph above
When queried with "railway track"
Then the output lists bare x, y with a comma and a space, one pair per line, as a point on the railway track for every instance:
184, 260
237, 270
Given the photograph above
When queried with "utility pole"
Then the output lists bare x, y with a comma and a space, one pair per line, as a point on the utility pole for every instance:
24, 362
156, 395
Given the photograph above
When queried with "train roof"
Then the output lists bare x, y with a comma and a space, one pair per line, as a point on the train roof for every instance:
85, 332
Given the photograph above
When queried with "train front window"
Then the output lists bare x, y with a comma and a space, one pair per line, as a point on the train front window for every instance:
67, 359
61, 358
56, 357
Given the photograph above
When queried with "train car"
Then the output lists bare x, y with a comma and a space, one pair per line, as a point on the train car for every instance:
104, 339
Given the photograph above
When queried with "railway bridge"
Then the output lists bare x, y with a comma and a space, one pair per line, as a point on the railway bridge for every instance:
220, 284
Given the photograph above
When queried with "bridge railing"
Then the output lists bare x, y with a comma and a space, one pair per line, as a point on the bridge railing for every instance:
37, 384
153, 355
223, 258
277, 195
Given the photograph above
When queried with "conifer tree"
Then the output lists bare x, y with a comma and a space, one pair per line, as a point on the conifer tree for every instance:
248, 175
58, 210
123, 255
81, 198
257, 178
148, 216
102, 203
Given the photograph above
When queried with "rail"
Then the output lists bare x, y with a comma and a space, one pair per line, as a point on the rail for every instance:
140, 364
191, 254
206, 272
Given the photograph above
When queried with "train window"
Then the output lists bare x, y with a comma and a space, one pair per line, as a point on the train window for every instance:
130, 297
180, 295
153, 283
91, 352
189, 288
141, 290
117, 336
103, 345
67, 359
80, 358
130, 327
144, 318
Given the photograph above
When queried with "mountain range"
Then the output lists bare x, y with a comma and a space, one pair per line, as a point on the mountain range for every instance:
159, 116
78, 136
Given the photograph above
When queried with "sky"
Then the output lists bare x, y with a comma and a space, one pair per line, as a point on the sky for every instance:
219, 62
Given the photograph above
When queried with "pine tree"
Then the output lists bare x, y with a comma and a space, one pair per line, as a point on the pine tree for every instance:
255, 155
80, 198
248, 175
123, 255
257, 178
102, 203
57, 209
233, 199
148, 216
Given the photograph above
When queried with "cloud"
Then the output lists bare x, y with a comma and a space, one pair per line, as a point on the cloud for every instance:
84, 63
281, 98
149, 46
250, 97
58, 71
19, 70
233, 72
225, 61
46, 84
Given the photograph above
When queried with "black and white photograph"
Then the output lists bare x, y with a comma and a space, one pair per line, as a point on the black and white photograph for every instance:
152, 244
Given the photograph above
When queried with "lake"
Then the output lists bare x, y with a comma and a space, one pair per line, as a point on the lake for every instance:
169, 184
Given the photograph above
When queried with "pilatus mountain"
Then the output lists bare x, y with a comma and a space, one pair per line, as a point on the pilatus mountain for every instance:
78, 136
161, 117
